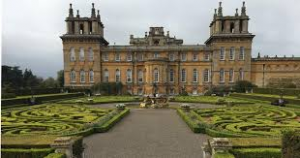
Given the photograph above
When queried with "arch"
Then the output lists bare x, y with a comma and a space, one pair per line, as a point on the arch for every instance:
118, 75
73, 76
129, 75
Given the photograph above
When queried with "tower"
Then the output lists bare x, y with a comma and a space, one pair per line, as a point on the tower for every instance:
82, 42
231, 45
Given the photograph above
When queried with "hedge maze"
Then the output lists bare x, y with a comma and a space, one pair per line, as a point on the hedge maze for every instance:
52, 119
242, 121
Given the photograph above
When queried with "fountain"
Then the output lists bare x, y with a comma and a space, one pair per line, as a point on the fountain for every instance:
155, 102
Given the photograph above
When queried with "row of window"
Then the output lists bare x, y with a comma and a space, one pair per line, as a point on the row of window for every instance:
231, 75
82, 78
232, 53
81, 56
140, 56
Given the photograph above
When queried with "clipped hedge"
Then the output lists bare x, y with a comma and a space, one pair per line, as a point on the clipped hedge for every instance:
109, 124
56, 155
257, 153
36, 91
39, 99
291, 144
277, 91
25, 153
8, 95
193, 126
264, 98
223, 155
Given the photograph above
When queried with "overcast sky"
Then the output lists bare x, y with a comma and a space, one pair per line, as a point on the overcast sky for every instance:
31, 28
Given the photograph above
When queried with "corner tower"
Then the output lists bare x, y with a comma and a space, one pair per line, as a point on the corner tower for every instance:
231, 45
81, 48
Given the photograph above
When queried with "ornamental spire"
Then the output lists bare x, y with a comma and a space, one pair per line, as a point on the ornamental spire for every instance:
93, 11
71, 15
220, 10
244, 9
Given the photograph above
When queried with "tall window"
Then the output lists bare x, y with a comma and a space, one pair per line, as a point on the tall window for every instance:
222, 75
91, 76
231, 54
105, 56
183, 56
129, 57
117, 57
81, 54
82, 76
222, 53
118, 75
129, 76
206, 56
91, 54
171, 56
140, 57
73, 76
195, 57
195, 75
231, 75
72, 54
156, 55
171, 77
241, 74
206, 75
183, 75
156, 75
140, 76
106, 75
242, 53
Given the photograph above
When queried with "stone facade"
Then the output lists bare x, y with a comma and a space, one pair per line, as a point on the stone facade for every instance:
160, 63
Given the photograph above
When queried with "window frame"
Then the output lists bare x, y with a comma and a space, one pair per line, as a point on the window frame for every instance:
222, 54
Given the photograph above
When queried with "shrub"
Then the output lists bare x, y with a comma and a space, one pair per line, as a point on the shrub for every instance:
25, 153
291, 144
243, 86
277, 91
257, 153
56, 155
193, 126
8, 95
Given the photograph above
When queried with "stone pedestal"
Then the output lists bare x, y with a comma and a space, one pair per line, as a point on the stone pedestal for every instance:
63, 145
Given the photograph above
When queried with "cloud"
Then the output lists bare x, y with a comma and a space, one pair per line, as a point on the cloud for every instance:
31, 28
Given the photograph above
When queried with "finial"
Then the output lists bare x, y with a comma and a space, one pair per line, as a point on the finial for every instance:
258, 55
243, 3
243, 9
98, 15
93, 5
215, 10
220, 10
70, 5
220, 4
78, 14
93, 11
71, 11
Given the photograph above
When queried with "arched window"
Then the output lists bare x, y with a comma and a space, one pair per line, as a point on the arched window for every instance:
82, 76
206, 75
118, 75
91, 76
129, 76
81, 54
106, 75
241, 74
91, 54
183, 75
222, 75
73, 76
171, 77
231, 53
72, 54
140, 76
156, 75
242, 53
195, 75
231, 75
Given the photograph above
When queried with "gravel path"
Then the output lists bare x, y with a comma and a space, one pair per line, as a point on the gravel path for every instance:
154, 133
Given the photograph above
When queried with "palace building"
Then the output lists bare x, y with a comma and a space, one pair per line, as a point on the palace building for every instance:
163, 64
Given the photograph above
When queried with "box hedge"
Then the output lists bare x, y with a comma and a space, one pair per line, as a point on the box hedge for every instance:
291, 144
25, 153
257, 153
56, 155
277, 91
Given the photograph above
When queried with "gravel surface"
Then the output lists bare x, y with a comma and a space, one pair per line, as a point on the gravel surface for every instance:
154, 133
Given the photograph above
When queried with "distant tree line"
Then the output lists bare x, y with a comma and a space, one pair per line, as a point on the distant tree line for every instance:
15, 79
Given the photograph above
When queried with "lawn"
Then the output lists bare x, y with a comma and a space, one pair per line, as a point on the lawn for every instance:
100, 99
244, 121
